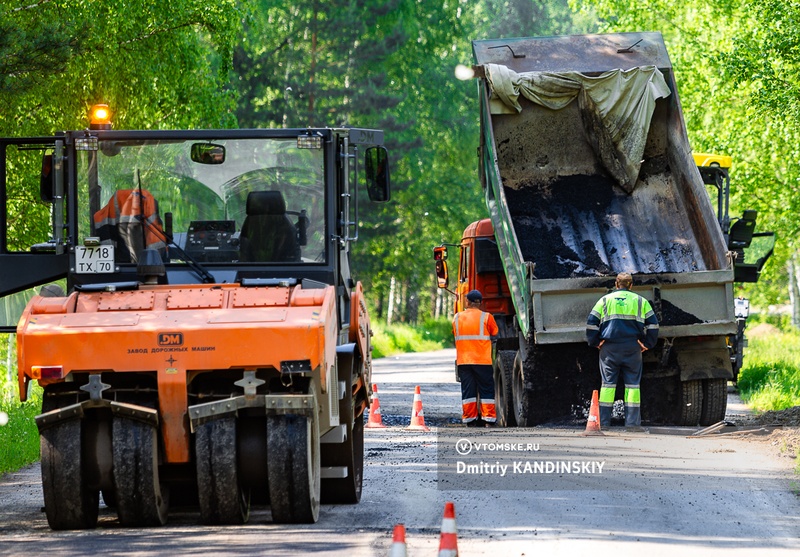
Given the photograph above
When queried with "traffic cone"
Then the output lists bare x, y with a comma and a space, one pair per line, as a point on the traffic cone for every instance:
398, 548
375, 418
593, 423
448, 542
417, 417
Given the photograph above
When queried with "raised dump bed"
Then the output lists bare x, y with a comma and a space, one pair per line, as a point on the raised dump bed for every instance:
588, 172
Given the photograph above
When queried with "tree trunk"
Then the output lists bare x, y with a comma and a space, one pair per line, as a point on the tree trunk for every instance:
794, 287
390, 309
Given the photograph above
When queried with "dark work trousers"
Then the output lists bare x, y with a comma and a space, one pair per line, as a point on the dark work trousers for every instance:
624, 358
477, 380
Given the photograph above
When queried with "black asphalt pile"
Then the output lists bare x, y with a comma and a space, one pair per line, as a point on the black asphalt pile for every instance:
787, 417
544, 216
584, 226
673, 315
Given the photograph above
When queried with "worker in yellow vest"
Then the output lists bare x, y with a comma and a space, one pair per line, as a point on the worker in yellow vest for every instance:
473, 330
622, 325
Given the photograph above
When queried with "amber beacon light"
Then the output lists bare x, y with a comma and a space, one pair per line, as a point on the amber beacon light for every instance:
100, 117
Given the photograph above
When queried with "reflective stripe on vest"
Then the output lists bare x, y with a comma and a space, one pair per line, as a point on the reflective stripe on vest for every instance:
481, 334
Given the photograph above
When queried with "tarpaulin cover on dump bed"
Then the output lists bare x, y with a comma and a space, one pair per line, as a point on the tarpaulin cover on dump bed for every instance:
616, 106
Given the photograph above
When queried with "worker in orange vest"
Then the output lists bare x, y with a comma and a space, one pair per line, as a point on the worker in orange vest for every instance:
130, 221
473, 330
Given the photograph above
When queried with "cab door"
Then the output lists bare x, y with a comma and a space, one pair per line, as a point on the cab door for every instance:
33, 246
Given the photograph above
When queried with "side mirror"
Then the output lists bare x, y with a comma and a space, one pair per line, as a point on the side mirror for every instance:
440, 257
46, 185
376, 162
207, 153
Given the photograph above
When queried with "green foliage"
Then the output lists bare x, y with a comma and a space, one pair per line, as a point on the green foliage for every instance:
19, 438
156, 64
782, 321
399, 338
770, 378
736, 64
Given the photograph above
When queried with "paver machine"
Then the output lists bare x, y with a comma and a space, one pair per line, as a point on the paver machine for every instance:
199, 336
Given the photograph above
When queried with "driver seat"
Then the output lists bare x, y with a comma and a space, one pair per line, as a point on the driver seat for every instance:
267, 232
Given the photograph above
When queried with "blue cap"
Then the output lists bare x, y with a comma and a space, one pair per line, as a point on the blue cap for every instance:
474, 296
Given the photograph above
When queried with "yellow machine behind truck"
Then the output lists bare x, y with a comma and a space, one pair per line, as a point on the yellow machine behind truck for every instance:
211, 346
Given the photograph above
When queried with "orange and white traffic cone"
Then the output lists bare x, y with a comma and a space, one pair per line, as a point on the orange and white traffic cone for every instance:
417, 417
398, 548
593, 423
375, 418
448, 541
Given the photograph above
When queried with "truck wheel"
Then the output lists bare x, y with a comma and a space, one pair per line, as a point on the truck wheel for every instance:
349, 454
715, 401
221, 496
140, 501
523, 398
691, 403
68, 502
293, 467
503, 388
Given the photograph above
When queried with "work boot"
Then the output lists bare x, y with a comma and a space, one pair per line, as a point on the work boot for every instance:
491, 424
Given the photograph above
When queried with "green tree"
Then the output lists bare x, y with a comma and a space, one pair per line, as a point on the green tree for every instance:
156, 64
736, 66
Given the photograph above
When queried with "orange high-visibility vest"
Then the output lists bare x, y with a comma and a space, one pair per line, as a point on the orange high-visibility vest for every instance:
473, 330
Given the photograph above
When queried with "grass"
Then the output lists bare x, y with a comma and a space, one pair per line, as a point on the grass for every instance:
770, 378
399, 338
19, 438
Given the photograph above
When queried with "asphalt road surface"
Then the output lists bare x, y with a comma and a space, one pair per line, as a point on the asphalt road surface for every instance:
560, 493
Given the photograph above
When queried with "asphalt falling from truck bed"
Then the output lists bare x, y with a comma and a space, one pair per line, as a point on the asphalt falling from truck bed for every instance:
537, 213
582, 226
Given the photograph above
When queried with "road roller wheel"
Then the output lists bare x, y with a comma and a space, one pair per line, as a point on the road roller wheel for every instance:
293, 467
139, 497
221, 496
69, 504
349, 454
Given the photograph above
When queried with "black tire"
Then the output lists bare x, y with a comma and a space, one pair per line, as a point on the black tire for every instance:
715, 401
221, 497
69, 504
503, 388
691, 403
139, 497
293, 467
522, 396
349, 454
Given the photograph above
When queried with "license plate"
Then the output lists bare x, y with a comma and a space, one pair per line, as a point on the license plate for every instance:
94, 259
